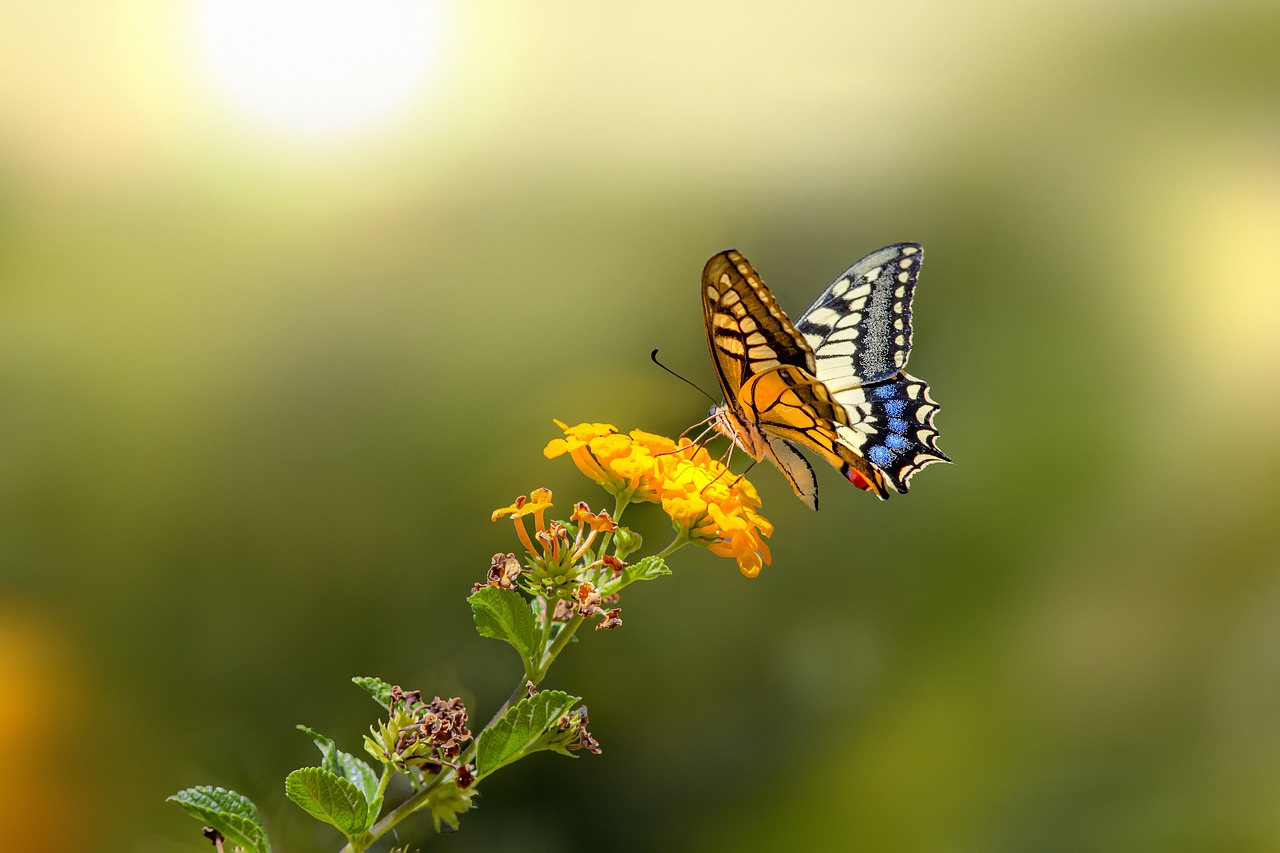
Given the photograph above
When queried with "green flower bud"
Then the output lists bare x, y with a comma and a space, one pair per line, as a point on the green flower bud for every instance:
625, 542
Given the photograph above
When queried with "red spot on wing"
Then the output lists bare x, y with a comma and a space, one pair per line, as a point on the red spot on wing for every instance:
858, 480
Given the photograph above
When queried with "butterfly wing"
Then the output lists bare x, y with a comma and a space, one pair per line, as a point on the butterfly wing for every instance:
860, 333
893, 420
747, 332
860, 327
795, 468
791, 406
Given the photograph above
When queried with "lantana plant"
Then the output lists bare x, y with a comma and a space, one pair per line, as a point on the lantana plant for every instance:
571, 571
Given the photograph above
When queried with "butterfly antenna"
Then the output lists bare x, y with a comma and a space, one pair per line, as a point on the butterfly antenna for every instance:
654, 356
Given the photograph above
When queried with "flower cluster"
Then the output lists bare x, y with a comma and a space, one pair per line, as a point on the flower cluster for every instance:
572, 732
562, 553
558, 549
429, 735
707, 503
587, 601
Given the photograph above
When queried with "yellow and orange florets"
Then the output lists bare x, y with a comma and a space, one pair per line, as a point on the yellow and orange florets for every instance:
557, 549
706, 502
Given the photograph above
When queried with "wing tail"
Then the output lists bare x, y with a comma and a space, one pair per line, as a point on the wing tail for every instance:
795, 468
895, 419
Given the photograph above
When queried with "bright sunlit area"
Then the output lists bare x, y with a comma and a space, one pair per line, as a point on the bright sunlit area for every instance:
320, 69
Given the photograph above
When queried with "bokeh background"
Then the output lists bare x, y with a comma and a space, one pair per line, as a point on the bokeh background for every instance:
290, 294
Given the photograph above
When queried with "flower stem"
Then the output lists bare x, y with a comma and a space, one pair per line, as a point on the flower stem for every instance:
562, 640
403, 810
511, 700
619, 504
682, 539
419, 797
387, 772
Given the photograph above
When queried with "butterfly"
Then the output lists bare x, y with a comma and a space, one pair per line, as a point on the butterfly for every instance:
833, 382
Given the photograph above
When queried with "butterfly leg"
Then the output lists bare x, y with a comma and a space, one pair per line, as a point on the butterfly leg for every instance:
698, 443
745, 472
691, 428
725, 460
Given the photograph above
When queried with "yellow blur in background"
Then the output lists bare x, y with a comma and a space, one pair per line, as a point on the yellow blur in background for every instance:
290, 293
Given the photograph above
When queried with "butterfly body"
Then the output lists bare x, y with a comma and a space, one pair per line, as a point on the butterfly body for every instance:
832, 382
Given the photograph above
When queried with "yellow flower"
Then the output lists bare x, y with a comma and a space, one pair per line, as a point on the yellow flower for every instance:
655, 444
538, 502
626, 466
716, 508
706, 502
741, 538
582, 514
577, 443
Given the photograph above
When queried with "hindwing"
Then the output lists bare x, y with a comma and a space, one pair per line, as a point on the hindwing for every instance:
789, 404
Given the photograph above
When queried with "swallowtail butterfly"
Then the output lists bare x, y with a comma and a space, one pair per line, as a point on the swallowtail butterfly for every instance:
833, 382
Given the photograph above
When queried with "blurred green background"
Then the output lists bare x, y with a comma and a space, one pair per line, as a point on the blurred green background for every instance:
264, 374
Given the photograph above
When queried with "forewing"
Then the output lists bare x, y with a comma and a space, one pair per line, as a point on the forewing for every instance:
859, 329
747, 332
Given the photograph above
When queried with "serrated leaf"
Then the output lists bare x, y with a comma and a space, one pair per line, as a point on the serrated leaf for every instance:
519, 729
329, 798
647, 569
448, 802
232, 814
375, 687
348, 767
503, 614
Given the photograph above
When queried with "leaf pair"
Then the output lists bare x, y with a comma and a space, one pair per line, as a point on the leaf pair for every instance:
342, 791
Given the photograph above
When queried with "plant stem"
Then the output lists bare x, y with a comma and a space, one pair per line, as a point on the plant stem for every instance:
511, 700
403, 810
682, 539
618, 506
387, 772
562, 640
409, 806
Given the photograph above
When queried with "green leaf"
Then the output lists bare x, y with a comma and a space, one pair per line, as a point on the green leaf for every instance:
447, 802
646, 570
503, 614
330, 798
375, 687
350, 768
232, 814
519, 729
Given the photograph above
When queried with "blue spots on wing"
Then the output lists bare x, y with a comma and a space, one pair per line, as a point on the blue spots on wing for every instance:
897, 442
879, 455
895, 408
883, 392
897, 425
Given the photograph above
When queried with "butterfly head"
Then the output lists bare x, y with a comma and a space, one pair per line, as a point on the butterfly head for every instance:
726, 421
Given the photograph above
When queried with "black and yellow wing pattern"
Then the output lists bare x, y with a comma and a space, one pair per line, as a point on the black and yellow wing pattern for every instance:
832, 382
